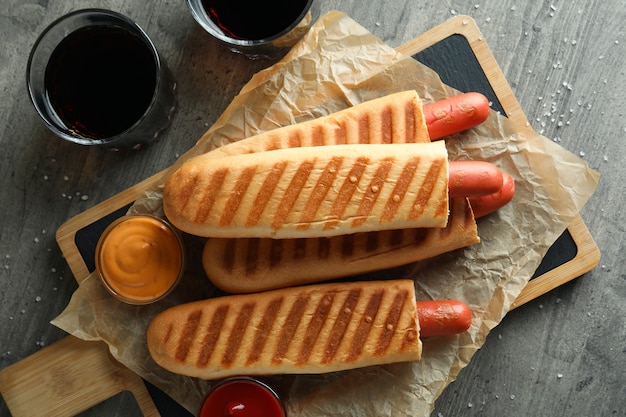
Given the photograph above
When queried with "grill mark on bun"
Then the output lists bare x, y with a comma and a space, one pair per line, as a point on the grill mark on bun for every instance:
426, 191
237, 333
391, 323
252, 255
263, 330
339, 134
363, 128
369, 199
276, 252
294, 140
292, 193
321, 188
265, 193
347, 245
189, 181
349, 186
188, 334
410, 109
289, 328
387, 125
340, 325
213, 333
372, 241
168, 334
299, 249
396, 237
400, 189
420, 235
317, 136
323, 248
315, 327
237, 195
229, 256
365, 326
206, 204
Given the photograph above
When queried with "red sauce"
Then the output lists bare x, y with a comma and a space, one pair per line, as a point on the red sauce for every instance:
242, 397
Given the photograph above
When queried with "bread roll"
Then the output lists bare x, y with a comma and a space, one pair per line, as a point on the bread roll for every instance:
395, 118
251, 265
311, 329
311, 192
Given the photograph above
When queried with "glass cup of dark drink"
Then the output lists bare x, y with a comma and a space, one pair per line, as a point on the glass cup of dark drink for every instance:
95, 78
255, 28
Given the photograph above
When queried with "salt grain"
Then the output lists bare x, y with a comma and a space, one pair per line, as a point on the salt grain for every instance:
512, 396
37, 299
559, 375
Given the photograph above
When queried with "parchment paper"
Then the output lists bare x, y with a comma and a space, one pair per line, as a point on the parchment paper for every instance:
339, 64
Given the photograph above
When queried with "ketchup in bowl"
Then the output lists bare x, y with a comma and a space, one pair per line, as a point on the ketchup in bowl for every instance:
242, 397
140, 258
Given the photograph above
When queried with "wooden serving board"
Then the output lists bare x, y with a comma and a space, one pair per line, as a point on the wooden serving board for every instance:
457, 51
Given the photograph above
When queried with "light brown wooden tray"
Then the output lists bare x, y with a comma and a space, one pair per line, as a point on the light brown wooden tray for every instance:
61, 364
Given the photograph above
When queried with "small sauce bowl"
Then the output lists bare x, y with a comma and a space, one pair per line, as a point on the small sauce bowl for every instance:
140, 258
242, 397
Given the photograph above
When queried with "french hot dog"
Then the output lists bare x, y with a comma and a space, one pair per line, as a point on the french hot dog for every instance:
311, 329
395, 118
243, 265
311, 192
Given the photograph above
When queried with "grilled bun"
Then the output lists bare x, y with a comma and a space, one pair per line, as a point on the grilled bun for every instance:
395, 118
311, 329
241, 265
311, 192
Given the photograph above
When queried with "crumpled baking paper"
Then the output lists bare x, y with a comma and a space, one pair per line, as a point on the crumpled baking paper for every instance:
339, 64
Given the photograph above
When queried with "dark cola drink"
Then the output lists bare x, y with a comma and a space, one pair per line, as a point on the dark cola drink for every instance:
100, 80
254, 19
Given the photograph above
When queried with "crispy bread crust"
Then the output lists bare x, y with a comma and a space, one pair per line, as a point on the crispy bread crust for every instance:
243, 265
311, 329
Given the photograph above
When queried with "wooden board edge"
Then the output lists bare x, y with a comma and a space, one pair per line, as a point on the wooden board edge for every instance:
58, 368
467, 27
586, 259
66, 233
